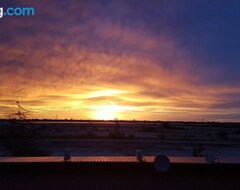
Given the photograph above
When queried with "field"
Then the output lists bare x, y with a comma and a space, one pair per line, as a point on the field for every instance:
52, 138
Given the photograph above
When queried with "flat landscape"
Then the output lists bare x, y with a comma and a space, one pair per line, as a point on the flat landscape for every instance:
86, 138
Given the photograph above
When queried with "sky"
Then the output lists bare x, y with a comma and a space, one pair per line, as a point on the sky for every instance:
135, 59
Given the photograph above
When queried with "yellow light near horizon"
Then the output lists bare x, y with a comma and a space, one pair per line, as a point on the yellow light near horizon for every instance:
105, 112
109, 112
106, 92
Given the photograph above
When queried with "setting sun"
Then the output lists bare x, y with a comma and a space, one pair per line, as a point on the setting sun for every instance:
105, 112
109, 112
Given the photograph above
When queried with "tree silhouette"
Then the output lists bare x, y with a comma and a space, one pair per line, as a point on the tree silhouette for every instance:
20, 134
21, 113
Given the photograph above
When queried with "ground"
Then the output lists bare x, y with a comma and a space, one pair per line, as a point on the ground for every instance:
124, 138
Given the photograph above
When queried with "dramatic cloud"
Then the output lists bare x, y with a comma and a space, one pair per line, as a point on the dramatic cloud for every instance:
128, 59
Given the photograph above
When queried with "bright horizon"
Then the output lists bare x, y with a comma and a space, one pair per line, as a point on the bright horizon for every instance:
143, 60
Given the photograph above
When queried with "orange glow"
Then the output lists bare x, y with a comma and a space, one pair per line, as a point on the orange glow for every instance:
81, 82
106, 92
109, 112
105, 113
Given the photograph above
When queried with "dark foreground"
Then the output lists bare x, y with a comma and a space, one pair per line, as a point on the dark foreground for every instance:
114, 176
108, 138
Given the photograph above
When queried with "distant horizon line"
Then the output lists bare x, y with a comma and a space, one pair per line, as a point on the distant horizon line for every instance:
119, 120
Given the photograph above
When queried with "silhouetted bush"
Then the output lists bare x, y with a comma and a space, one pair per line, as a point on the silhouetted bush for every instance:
162, 137
148, 129
198, 151
187, 137
222, 134
116, 135
167, 125
18, 140
89, 135
131, 136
